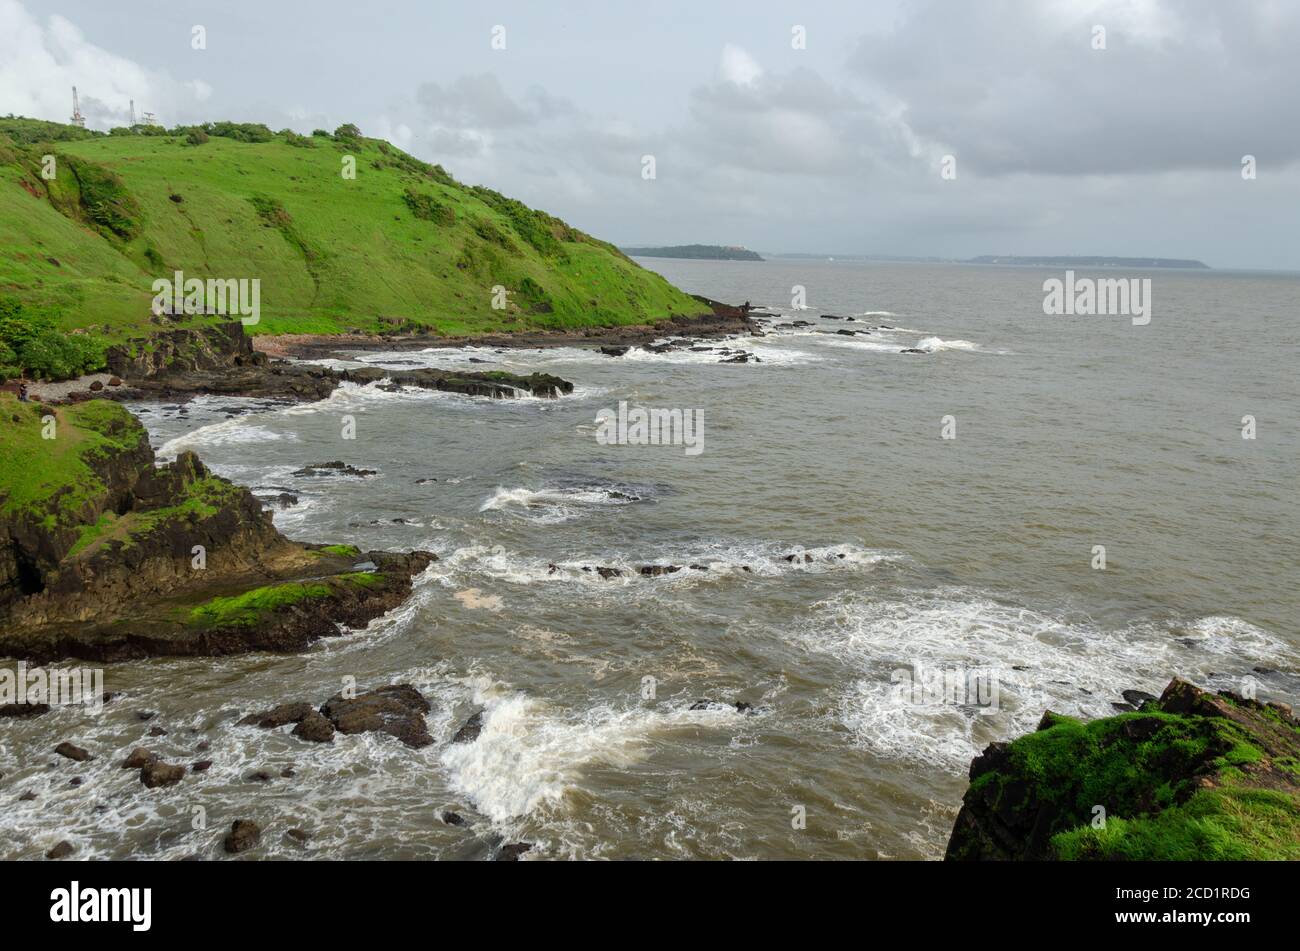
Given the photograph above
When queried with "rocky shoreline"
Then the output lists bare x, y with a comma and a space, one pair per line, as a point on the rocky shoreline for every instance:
106, 556
1189, 776
725, 320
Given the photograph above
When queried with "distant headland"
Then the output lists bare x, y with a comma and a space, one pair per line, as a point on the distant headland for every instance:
1089, 261
703, 252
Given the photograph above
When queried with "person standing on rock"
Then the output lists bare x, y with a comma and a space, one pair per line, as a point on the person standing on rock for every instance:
22, 392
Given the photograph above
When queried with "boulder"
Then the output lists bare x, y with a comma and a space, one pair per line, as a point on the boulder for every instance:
278, 716
397, 710
470, 729
138, 759
158, 773
244, 835
74, 753
315, 728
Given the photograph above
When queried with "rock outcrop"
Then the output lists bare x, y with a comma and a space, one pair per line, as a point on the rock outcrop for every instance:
1191, 776
104, 556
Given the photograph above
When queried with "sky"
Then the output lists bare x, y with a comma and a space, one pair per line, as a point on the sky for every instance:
947, 128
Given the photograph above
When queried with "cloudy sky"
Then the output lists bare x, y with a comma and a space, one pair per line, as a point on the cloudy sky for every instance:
832, 145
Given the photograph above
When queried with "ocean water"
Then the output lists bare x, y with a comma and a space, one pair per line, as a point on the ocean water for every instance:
912, 552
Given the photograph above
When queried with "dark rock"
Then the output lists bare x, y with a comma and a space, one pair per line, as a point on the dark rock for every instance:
202, 766
511, 851
332, 468
157, 731
656, 570
138, 759
1137, 697
470, 730
397, 710
203, 747
27, 796
301, 836
146, 715
96, 386
913, 350
244, 835
315, 728
76, 781
608, 573
453, 818
157, 774
288, 772
278, 716
614, 351
60, 851
259, 776
23, 709
699, 567
75, 753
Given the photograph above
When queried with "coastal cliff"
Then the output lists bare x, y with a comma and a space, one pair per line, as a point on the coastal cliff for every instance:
1193, 775
105, 556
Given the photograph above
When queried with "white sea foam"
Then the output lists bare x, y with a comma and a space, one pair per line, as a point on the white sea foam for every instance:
1066, 665
719, 561
529, 754
551, 505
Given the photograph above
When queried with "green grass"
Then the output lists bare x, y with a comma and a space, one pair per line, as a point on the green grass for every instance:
55, 479
1229, 824
403, 244
344, 551
247, 608
1144, 769
251, 607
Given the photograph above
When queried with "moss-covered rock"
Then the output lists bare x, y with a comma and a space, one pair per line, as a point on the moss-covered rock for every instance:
1193, 775
106, 556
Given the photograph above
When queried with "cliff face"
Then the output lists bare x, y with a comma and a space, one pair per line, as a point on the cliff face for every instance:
104, 556
1191, 776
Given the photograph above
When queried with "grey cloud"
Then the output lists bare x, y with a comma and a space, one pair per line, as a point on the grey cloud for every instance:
1017, 87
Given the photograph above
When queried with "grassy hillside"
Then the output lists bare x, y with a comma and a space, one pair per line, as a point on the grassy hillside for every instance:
402, 244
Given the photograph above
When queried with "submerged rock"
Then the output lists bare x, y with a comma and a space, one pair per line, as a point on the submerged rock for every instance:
60, 851
511, 851
336, 467
244, 835
470, 730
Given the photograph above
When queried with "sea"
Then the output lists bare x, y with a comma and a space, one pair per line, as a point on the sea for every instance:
886, 561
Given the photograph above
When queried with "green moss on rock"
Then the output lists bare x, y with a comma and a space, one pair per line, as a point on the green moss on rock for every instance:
1195, 775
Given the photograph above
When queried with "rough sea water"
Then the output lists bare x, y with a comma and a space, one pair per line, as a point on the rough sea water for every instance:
911, 552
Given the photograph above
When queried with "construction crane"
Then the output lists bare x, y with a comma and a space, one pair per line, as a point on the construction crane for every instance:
77, 118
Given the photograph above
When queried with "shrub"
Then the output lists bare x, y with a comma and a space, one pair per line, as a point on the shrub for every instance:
31, 343
196, 136
298, 141
347, 131
240, 131
103, 198
320, 133
426, 208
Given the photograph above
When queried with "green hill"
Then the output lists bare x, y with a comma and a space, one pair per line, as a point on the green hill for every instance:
401, 245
